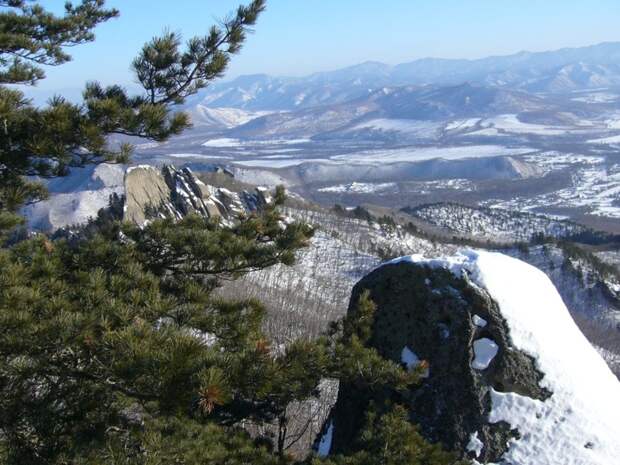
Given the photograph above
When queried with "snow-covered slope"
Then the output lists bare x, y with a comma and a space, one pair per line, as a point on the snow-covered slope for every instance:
223, 118
77, 197
146, 191
579, 424
304, 298
587, 292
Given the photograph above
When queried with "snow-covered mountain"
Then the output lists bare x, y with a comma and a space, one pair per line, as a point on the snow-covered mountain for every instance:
344, 248
141, 192
76, 198
391, 110
555, 71
220, 118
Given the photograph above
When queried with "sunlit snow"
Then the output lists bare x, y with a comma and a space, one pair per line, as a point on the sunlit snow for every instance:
479, 321
475, 445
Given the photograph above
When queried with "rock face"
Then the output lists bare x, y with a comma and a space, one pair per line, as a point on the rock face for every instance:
432, 315
169, 192
491, 391
149, 192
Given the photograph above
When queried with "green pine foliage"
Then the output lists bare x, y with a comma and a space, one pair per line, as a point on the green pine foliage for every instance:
93, 328
115, 346
32, 36
46, 141
390, 439
355, 362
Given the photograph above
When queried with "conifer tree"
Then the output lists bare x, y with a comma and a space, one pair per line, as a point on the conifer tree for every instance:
46, 141
115, 347
390, 439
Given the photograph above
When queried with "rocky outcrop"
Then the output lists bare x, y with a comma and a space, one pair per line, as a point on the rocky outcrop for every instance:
434, 316
503, 378
170, 192
144, 186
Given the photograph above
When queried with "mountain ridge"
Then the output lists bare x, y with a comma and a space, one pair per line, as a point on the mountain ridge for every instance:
529, 71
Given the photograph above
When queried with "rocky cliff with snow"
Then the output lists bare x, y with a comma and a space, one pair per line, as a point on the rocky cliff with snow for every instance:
510, 379
168, 192
145, 192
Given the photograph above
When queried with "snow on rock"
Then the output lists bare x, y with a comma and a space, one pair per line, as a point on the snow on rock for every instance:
411, 360
485, 351
475, 445
148, 192
479, 321
325, 444
579, 423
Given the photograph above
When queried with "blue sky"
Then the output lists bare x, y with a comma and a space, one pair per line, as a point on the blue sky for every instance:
296, 37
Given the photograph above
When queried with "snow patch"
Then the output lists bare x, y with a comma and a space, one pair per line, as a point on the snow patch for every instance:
411, 360
462, 124
475, 445
412, 154
360, 188
417, 128
606, 140
222, 142
510, 123
485, 351
325, 444
479, 321
77, 197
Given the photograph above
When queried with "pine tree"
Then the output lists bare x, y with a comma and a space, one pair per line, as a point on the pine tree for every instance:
46, 141
93, 328
115, 347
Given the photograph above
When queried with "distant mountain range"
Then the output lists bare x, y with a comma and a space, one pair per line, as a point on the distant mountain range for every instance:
555, 72
391, 109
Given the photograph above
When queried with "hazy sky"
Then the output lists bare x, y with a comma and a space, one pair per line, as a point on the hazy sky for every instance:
296, 37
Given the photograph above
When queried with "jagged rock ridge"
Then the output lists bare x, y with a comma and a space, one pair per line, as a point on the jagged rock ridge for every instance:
175, 193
